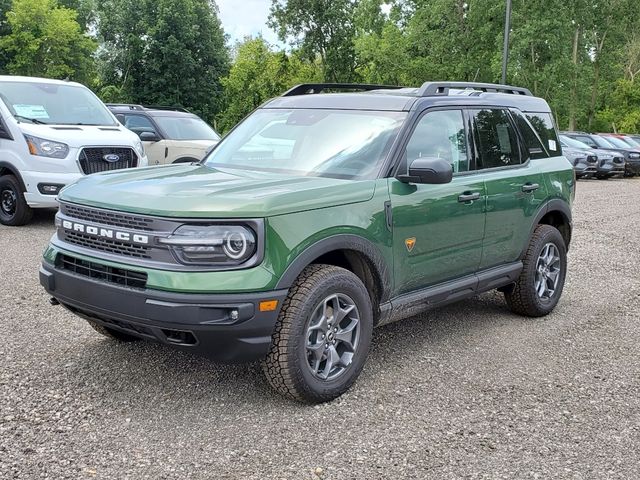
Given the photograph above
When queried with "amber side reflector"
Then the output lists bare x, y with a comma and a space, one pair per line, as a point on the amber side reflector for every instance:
268, 305
32, 148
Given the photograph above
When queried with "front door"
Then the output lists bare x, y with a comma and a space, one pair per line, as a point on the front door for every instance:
438, 230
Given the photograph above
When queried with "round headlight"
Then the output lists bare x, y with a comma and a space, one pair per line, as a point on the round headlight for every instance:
235, 245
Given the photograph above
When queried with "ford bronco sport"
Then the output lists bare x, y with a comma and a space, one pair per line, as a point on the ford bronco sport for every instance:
319, 217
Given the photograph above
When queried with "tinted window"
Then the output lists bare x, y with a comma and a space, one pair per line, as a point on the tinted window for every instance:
585, 139
496, 137
545, 127
138, 123
440, 134
534, 148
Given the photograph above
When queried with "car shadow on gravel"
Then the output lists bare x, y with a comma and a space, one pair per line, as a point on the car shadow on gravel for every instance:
141, 372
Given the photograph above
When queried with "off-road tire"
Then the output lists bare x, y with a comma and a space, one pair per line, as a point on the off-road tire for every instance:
522, 298
286, 365
112, 333
23, 213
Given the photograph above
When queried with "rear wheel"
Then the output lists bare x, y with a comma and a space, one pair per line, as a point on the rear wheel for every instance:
14, 210
112, 333
539, 287
322, 337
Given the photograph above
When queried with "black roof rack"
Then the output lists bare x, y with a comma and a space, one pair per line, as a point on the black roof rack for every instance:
132, 106
311, 88
125, 105
433, 89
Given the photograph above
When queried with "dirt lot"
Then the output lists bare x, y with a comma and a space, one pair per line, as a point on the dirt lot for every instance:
468, 391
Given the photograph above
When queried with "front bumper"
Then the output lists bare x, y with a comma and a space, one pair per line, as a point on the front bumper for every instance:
199, 323
34, 197
632, 167
610, 168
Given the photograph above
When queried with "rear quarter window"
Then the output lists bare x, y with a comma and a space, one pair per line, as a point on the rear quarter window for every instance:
543, 123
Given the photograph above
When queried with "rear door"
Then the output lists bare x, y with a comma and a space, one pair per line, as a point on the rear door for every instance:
514, 182
437, 229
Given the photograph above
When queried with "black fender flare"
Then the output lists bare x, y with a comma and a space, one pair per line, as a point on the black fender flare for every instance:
185, 160
14, 172
340, 242
553, 205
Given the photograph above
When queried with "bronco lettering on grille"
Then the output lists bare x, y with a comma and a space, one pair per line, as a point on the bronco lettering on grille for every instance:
105, 232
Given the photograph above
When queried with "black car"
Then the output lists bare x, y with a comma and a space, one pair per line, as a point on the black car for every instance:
631, 155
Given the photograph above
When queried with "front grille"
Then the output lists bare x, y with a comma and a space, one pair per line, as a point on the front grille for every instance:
92, 160
107, 245
103, 273
107, 217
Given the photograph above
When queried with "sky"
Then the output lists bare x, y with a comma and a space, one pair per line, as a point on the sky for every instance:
246, 17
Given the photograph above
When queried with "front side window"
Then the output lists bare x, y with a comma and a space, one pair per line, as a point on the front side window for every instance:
348, 144
440, 134
186, 128
51, 103
496, 139
138, 124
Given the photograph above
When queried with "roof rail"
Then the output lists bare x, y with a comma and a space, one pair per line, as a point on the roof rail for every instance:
311, 88
433, 89
130, 106
173, 109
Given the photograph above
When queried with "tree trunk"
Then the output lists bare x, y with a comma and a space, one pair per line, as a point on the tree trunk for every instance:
596, 79
574, 83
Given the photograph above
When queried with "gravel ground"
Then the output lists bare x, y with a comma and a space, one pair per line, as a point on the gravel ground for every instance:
468, 391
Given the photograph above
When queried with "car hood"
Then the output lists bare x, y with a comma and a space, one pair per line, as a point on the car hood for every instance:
78, 136
202, 192
576, 152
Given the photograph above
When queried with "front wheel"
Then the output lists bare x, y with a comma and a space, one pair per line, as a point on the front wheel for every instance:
322, 336
539, 287
14, 210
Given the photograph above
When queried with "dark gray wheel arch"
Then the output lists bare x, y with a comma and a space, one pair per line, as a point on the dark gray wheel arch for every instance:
336, 243
185, 160
7, 168
553, 207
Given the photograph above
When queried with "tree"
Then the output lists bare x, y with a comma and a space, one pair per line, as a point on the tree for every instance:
258, 74
45, 40
164, 52
323, 28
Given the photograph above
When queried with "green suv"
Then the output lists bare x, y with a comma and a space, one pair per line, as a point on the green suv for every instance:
319, 217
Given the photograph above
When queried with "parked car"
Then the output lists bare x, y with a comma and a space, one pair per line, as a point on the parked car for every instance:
381, 211
631, 157
628, 141
609, 163
169, 135
581, 156
52, 133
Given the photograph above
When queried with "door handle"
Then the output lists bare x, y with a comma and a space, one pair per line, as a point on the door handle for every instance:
530, 187
469, 197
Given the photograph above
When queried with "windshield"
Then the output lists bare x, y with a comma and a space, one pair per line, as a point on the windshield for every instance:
51, 103
570, 142
631, 141
330, 143
186, 128
601, 142
618, 142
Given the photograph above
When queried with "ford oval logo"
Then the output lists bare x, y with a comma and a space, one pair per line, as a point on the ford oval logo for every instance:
111, 158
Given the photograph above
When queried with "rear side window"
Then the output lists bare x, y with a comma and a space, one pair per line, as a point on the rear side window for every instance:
546, 128
534, 148
586, 139
496, 138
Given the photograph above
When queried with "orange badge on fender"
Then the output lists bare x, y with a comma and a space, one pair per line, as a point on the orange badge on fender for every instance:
410, 243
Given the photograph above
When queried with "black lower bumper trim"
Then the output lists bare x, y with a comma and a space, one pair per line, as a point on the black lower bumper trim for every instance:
226, 328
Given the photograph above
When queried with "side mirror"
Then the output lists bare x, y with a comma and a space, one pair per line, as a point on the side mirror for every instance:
149, 136
429, 170
4, 133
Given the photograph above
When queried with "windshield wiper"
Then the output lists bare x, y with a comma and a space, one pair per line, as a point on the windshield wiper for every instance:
32, 120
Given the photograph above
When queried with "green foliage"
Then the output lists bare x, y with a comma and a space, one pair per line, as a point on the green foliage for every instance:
320, 28
45, 39
258, 74
163, 52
